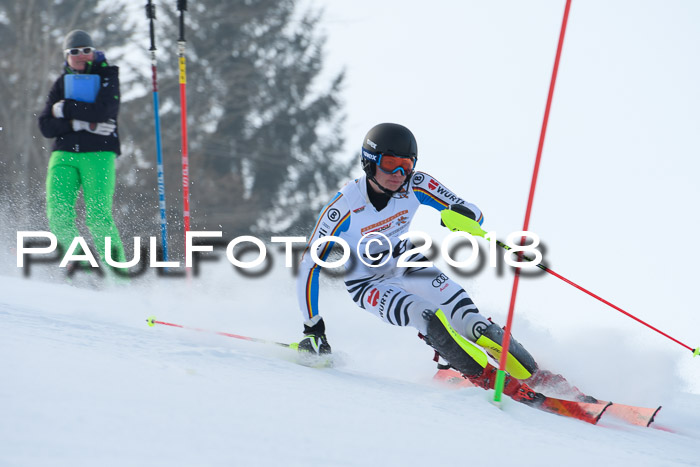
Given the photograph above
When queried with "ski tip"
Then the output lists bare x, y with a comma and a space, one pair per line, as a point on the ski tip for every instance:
151, 320
651, 419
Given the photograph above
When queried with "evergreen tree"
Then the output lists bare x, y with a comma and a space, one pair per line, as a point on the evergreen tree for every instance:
264, 133
264, 141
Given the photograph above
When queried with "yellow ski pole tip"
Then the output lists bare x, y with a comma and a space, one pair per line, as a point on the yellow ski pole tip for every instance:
696, 352
151, 321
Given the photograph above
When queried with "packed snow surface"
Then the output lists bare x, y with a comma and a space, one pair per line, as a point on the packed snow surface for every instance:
84, 381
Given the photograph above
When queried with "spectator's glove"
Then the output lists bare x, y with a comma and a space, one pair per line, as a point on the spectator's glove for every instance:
315, 340
57, 109
104, 128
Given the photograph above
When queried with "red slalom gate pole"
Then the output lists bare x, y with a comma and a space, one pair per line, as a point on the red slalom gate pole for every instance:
182, 7
152, 321
501, 375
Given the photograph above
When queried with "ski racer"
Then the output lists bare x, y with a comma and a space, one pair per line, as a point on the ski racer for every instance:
384, 202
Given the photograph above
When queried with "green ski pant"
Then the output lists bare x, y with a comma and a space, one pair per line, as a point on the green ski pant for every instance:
95, 172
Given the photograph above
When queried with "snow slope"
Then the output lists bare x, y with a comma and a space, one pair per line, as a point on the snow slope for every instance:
84, 381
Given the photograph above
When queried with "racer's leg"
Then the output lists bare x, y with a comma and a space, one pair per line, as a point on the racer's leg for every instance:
387, 300
462, 314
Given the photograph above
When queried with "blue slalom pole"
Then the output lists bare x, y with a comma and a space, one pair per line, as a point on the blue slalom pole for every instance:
151, 15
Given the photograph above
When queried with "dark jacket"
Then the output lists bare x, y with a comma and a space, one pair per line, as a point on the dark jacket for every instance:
105, 107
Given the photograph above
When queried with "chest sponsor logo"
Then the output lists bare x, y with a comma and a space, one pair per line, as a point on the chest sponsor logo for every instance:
383, 224
402, 220
432, 184
360, 209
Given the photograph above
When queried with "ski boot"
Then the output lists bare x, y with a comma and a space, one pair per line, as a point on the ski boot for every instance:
461, 354
520, 363
516, 390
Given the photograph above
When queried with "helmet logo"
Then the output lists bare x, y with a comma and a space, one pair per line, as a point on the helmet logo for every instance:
372, 143
368, 155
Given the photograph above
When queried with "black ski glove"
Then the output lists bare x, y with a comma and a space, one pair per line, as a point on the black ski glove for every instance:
315, 340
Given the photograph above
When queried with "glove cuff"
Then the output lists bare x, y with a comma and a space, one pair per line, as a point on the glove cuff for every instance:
463, 210
79, 125
57, 109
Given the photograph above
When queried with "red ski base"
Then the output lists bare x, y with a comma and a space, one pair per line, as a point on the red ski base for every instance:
588, 412
640, 416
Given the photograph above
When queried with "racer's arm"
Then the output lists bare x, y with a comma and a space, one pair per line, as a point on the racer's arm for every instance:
434, 194
333, 221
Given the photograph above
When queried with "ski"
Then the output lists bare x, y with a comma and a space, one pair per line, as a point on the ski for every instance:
640, 416
452, 378
587, 411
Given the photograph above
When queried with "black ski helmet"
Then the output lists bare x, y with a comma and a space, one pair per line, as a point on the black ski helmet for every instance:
387, 138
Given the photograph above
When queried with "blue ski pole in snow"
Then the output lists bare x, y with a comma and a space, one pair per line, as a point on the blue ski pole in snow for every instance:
151, 15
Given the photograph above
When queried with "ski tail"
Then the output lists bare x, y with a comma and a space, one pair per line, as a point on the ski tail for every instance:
452, 377
640, 416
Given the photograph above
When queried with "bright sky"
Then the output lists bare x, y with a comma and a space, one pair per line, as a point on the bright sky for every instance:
615, 201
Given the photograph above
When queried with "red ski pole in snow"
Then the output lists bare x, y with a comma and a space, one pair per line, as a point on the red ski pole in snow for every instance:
696, 352
457, 222
152, 321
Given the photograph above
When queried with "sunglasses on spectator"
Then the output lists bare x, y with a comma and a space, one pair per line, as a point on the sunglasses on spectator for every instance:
80, 50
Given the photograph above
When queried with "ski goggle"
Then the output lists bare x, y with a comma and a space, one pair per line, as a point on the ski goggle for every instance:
80, 50
390, 164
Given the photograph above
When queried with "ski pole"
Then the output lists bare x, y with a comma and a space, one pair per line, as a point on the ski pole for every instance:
457, 222
182, 7
151, 15
152, 321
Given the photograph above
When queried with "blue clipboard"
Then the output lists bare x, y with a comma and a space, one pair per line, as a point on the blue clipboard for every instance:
81, 88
